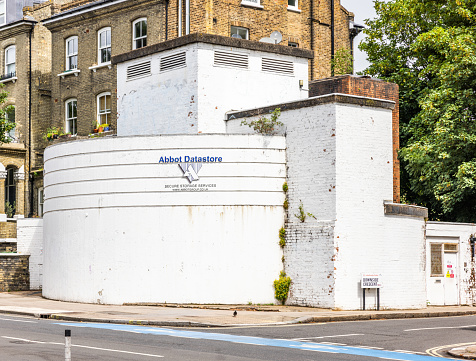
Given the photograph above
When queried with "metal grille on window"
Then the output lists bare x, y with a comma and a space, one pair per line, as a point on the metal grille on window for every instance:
436, 260
235, 60
138, 70
277, 66
174, 61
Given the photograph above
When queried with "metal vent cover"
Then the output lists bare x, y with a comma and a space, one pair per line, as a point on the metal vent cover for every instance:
234, 60
138, 70
283, 67
174, 61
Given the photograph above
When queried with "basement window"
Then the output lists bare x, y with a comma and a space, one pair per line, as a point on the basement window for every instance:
240, 33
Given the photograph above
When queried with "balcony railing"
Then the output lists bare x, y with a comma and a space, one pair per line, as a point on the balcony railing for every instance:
13, 74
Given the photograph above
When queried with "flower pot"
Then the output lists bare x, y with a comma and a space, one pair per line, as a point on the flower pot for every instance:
95, 130
106, 129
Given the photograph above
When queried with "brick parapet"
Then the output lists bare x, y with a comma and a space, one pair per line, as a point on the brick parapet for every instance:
14, 273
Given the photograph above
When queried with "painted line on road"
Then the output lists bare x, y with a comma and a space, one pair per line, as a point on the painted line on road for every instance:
256, 341
406, 351
9, 319
434, 351
319, 337
438, 328
82, 346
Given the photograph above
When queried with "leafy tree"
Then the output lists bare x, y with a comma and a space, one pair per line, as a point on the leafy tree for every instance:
429, 49
5, 124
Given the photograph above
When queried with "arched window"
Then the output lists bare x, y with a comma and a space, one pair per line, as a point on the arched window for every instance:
139, 33
104, 46
72, 53
10, 117
104, 108
10, 60
71, 117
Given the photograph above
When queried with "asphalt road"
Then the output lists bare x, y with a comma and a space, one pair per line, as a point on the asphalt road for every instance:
31, 339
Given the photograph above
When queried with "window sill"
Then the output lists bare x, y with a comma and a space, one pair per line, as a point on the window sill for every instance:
70, 72
250, 4
103, 65
12, 79
293, 9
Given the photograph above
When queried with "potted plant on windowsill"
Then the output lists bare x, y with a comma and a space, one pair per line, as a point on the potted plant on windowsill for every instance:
95, 126
53, 133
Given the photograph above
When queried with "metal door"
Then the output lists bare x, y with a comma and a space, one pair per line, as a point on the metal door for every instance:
450, 281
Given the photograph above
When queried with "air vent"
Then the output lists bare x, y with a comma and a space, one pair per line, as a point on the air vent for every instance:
234, 60
174, 61
138, 70
282, 67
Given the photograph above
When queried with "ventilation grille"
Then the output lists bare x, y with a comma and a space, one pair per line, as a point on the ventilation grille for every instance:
282, 67
234, 60
138, 70
174, 61
451, 247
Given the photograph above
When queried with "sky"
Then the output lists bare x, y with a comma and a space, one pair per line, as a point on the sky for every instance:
363, 9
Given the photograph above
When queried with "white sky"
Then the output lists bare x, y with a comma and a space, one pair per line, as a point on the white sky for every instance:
363, 9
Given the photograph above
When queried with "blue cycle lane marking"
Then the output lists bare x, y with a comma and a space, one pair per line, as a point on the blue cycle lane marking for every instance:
257, 341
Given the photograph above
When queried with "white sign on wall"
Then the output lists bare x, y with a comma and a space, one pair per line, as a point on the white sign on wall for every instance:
371, 281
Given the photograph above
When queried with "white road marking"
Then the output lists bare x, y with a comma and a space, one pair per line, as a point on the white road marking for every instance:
319, 337
8, 319
333, 343
437, 328
82, 346
21, 339
412, 352
370, 347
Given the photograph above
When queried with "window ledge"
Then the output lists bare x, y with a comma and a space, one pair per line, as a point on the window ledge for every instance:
250, 4
70, 72
12, 79
293, 9
103, 65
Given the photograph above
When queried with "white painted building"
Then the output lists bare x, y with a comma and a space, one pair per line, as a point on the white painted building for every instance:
182, 217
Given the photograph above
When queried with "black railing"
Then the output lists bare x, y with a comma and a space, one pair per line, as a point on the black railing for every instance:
8, 75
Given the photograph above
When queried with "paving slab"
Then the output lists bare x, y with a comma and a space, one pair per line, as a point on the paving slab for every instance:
31, 303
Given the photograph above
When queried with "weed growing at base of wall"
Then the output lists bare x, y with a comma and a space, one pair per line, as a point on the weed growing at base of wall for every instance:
264, 125
285, 187
281, 287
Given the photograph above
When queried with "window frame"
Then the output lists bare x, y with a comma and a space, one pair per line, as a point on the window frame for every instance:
295, 6
253, 3
134, 38
3, 11
7, 50
240, 28
73, 127
107, 112
100, 32
41, 201
73, 54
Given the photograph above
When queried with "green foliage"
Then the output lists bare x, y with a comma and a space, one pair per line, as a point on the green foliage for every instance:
428, 48
281, 287
264, 125
53, 133
9, 209
302, 214
282, 237
286, 204
5, 125
342, 62
285, 187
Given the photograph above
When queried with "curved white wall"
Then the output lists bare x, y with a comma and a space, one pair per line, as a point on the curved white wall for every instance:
116, 231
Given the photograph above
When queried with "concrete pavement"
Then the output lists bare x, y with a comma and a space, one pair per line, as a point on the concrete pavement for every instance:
32, 304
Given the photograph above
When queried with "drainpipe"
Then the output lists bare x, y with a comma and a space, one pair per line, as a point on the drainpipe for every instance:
332, 35
179, 17
30, 152
312, 38
166, 18
187, 17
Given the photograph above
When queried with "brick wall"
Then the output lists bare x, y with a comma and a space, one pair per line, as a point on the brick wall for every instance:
372, 88
8, 247
88, 84
14, 274
8, 230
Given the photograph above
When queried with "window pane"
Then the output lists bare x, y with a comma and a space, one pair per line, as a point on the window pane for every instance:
436, 260
144, 28
292, 2
137, 31
108, 103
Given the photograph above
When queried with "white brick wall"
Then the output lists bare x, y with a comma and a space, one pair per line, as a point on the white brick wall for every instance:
30, 241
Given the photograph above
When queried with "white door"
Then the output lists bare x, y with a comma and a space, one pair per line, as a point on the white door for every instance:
450, 281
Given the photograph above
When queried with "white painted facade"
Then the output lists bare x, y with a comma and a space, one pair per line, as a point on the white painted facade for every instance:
339, 159
116, 231
30, 242
194, 96
455, 285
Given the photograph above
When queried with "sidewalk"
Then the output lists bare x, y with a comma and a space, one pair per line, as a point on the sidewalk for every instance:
32, 304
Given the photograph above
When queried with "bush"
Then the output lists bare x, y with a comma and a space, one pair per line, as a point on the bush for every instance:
281, 287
